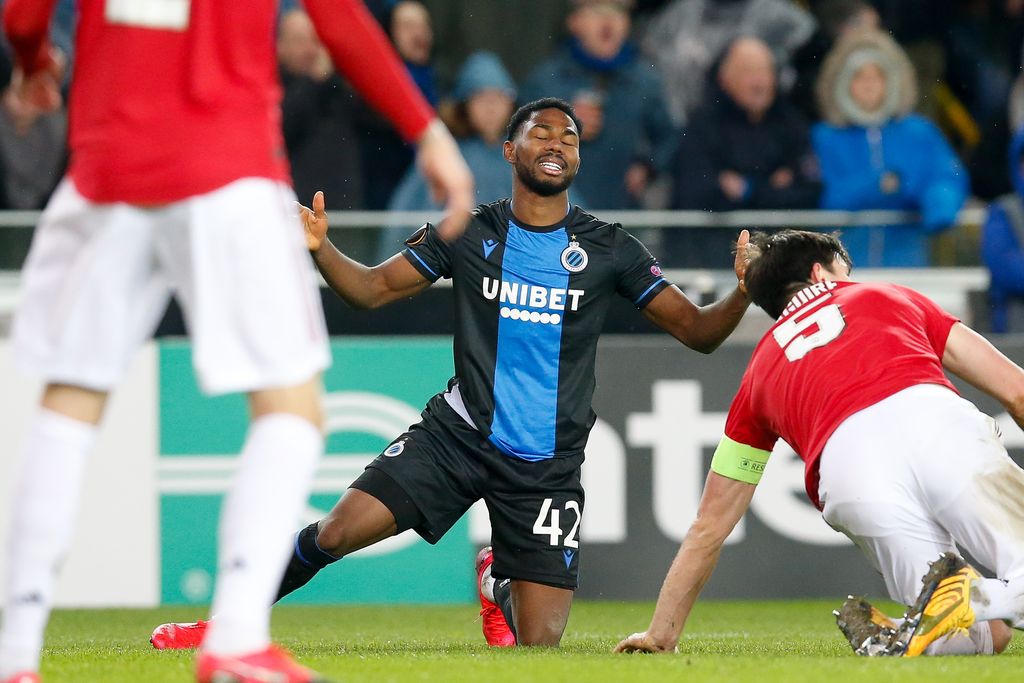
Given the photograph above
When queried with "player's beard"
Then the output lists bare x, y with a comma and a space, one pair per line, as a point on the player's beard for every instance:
540, 185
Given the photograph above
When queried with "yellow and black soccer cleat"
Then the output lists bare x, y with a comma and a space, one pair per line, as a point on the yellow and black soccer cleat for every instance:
942, 607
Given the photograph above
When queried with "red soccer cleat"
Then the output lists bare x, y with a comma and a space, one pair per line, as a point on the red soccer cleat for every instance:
496, 630
179, 636
272, 665
23, 677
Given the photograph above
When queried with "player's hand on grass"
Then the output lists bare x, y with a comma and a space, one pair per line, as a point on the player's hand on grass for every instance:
314, 222
642, 642
742, 259
448, 177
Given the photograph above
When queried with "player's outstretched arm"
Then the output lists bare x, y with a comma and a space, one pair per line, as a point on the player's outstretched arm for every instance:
973, 359
721, 506
703, 328
360, 286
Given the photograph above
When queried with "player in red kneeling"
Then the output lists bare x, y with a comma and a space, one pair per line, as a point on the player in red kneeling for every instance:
851, 376
178, 181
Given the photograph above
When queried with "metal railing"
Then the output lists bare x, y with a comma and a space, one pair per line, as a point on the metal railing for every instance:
948, 286
644, 219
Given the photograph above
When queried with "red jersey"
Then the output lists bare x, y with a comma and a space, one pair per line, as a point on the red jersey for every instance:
838, 348
173, 98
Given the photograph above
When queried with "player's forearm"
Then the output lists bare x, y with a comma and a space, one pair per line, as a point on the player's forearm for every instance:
718, 320
355, 283
26, 23
362, 53
690, 570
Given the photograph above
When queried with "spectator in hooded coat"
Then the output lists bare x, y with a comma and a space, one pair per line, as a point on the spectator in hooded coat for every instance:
876, 154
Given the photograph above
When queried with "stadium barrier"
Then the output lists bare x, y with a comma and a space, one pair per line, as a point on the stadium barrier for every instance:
148, 521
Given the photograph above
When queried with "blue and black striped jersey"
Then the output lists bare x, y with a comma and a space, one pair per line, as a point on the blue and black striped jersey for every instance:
530, 304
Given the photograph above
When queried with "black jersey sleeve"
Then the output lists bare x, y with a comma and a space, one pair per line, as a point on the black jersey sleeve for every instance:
637, 273
429, 254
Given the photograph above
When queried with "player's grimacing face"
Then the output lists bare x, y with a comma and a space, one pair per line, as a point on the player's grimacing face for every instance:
546, 152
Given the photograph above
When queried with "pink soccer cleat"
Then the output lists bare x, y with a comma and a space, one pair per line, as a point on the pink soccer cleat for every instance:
272, 665
496, 630
185, 636
23, 677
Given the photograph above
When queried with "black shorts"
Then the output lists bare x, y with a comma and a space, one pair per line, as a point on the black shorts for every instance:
431, 475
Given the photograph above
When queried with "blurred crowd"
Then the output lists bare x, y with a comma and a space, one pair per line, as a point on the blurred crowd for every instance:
708, 105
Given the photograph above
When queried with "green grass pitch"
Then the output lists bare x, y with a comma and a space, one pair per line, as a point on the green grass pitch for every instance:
760, 642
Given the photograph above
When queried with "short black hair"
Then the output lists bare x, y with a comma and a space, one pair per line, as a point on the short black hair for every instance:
780, 262
524, 112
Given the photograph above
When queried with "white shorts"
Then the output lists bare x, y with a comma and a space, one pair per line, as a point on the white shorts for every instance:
917, 474
99, 276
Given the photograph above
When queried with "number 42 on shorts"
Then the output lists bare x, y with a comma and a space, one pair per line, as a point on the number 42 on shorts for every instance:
548, 519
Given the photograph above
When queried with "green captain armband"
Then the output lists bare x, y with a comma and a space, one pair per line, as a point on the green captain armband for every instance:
739, 461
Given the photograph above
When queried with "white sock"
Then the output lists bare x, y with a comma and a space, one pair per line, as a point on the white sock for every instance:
487, 584
998, 599
977, 641
47, 487
257, 525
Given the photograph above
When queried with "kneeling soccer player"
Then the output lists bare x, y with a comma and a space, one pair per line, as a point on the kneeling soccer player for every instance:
851, 376
533, 278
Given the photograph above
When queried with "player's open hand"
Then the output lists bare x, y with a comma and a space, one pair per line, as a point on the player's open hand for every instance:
642, 642
449, 178
742, 259
314, 222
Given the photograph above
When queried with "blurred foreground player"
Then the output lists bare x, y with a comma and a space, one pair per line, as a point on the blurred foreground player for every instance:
851, 376
533, 279
178, 181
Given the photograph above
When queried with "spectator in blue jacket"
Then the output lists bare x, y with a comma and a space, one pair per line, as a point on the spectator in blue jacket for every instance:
627, 133
875, 154
1002, 241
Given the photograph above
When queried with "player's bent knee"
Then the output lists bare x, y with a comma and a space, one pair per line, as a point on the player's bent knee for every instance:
538, 637
1001, 636
534, 632
333, 538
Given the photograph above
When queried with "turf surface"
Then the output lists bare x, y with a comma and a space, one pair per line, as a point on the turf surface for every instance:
761, 642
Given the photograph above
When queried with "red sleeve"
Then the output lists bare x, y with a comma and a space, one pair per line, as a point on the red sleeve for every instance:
27, 23
363, 54
937, 321
743, 425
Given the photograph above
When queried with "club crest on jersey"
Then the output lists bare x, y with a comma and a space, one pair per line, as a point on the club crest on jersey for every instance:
574, 258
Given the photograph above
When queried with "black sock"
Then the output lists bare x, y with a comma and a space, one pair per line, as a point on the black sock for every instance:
307, 560
503, 599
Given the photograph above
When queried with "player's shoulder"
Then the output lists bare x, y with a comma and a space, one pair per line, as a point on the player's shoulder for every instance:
491, 213
878, 297
582, 222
